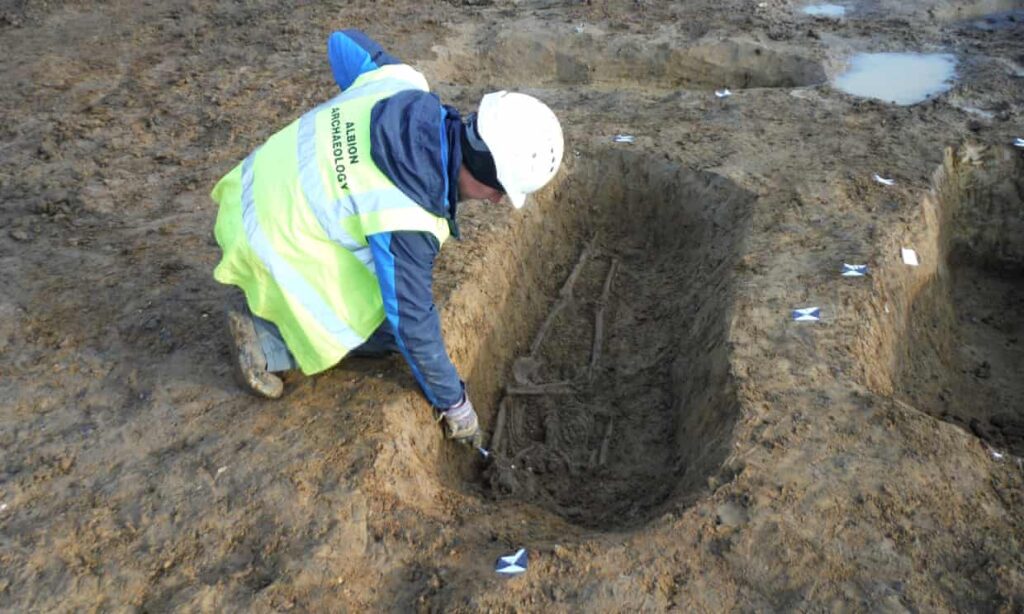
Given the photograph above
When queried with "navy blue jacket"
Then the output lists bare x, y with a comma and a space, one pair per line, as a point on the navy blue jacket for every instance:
414, 140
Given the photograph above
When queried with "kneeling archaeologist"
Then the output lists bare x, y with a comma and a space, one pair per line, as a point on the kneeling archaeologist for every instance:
331, 227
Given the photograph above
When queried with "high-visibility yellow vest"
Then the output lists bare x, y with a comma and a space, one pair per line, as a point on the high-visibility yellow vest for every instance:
295, 214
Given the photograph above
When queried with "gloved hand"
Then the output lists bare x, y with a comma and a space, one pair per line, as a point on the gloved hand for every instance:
461, 422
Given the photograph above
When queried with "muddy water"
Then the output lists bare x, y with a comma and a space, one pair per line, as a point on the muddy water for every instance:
830, 11
900, 78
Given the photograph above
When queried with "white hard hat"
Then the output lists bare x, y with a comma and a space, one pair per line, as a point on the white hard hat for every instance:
525, 138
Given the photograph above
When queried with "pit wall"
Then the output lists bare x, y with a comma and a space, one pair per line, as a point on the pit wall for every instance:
988, 227
965, 217
510, 274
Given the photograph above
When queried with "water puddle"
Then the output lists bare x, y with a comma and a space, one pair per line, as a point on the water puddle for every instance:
828, 11
900, 78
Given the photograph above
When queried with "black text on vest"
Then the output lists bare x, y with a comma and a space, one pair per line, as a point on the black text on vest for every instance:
342, 146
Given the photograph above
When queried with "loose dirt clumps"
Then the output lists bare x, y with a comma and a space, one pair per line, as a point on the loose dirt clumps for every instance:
624, 399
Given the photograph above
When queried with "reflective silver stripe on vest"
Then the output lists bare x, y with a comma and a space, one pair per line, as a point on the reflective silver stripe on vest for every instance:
330, 213
287, 277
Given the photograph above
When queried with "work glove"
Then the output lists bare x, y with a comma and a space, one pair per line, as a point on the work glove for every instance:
461, 422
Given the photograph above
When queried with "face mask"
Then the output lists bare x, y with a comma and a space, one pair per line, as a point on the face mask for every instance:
477, 157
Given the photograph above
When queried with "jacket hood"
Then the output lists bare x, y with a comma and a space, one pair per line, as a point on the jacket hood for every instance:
414, 140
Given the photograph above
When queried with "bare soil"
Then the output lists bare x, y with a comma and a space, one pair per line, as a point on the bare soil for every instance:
709, 454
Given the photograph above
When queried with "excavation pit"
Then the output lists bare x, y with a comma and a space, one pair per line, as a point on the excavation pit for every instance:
623, 405
958, 346
539, 54
1004, 20
973, 9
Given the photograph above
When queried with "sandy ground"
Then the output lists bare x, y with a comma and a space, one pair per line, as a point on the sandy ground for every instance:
715, 456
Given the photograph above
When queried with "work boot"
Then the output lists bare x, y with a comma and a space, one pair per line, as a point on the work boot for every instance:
250, 362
